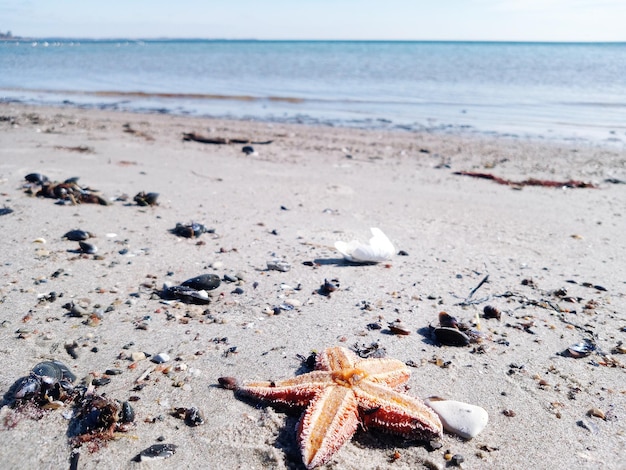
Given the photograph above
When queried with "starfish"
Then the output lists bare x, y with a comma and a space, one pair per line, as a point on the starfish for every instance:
342, 392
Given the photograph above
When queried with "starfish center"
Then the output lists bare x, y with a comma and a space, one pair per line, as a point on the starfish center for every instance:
348, 377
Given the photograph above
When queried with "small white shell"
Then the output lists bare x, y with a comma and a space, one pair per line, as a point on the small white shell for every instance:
379, 249
459, 418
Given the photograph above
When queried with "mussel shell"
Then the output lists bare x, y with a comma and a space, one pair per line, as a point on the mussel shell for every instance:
448, 321
191, 230
193, 417
87, 248
127, 414
451, 336
203, 282
54, 370
77, 235
27, 386
37, 178
582, 349
186, 294
156, 451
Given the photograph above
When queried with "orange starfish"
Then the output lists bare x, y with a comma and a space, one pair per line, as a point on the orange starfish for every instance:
342, 392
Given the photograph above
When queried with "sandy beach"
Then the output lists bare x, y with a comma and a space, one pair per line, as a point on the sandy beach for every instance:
554, 257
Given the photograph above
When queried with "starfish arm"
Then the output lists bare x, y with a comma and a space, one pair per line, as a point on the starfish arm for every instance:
396, 412
336, 359
327, 424
390, 372
297, 391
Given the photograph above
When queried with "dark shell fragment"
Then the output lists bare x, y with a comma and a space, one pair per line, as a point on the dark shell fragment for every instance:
451, 336
191, 230
491, 312
203, 282
155, 452
448, 321
77, 235
186, 294
55, 370
146, 199
87, 248
36, 178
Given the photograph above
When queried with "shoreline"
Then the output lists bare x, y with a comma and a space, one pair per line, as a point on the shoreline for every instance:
291, 200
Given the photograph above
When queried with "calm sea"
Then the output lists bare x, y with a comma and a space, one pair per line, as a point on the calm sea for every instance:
551, 91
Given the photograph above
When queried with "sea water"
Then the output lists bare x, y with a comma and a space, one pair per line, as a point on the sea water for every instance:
545, 90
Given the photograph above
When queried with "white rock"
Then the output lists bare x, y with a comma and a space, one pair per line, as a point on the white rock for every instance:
379, 249
459, 418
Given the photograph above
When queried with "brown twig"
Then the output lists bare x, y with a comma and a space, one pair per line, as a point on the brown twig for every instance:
527, 182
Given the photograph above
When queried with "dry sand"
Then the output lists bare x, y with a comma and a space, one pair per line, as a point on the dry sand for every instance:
292, 200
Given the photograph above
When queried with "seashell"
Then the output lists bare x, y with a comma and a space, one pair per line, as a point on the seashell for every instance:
156, 452
88, 248
379, 249
451, 336
398, 328
186, 294
459, 418
77, 235
127, 414
36, 178
161, 358
448, 321
491, 312
190, 230
55, 370
582, 349
203, 282
146, 199
278, 265
39, 240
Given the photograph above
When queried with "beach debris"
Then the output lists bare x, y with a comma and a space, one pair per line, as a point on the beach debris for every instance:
328, 287
527, 182
248, 150
146, 199
341, 394
192, 136
462, 419
87, 248
203, 282
190, 230
278, 265
68, 192
76, 148
449, 333
399, 328
48, 381
78, 235
98, 418
379, 249
156, 452
597, 413
129, 130
6, 210
36, 178
491, 312
192, 416
582, 349
192, 291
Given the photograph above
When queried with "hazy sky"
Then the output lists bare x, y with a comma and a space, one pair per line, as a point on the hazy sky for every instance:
515, 20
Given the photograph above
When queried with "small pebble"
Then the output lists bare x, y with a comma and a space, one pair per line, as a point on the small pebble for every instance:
137, 356
156, 452
278, 265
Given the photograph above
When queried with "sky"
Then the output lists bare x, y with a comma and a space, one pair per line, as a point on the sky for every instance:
468, 20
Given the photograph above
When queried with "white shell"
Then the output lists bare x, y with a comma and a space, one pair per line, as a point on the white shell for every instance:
161, 358
459, 418
379, 249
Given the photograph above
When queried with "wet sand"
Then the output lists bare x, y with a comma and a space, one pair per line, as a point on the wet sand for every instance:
554, 257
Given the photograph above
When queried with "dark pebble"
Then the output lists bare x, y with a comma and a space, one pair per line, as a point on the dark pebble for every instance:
457, 460
247, 149
402, 253
238, 290
100, 381
203, 282
113, 371
77, 235
156, 452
